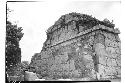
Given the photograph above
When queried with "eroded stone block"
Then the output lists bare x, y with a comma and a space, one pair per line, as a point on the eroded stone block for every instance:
111, 62
110, 71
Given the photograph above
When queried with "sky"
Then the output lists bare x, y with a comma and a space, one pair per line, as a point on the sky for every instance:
36, 17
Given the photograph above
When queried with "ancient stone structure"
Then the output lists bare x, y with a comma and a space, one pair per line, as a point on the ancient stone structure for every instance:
79, 46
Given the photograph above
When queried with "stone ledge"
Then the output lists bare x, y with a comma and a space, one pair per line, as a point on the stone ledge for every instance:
97, 27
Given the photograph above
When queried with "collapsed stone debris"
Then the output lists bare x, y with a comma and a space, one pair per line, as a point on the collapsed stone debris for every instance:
79, 46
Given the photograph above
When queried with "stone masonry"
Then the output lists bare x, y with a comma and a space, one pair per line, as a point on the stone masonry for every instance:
79, 46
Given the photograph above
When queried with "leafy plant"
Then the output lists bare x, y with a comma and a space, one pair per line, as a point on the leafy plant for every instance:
12, 49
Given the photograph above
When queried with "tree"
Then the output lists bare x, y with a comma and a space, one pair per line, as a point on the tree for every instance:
25, 65
12, 49
21, 67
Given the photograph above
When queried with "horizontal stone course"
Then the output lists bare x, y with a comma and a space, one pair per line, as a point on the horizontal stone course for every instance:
70, 35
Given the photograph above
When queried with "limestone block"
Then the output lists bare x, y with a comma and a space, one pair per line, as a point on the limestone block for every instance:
75, 18
86, 46
103, 27
99, 38
100, 50
68, 18
39, 69
69, 28
107, 42
64, 57
44, 54
65, 74
42, 67
110, 50
118, 70
81, 28
90, 65
93, 73
110, 71
111, 36
80, 64
51, 61
88, 57
117, 30
56, 39
57, 60
112, 43
65, 66
101, 69
40, 62
91, 40
76, 73
30, 76
118, 61
62, 36
48, 42
54, 34
117, 38
111, 62
72, 65
77, 49
36, 56
102, 60
55, 28
53, 67
72, 34
113, 55
34, 64
68, 35
73, 25
108, 77
119, 44
117, 50
99, 46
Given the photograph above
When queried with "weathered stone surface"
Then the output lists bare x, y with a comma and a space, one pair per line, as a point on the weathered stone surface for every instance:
118, 61
102, 60
88, 57
30, 76
110, 43
101, 70
111, 62
100, 50
72, 65
118, 70
79, 46
110, 71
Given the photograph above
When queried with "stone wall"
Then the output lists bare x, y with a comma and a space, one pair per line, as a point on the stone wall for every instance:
109, 53
79, 49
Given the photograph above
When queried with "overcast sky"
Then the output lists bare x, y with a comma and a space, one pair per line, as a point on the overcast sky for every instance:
36, 17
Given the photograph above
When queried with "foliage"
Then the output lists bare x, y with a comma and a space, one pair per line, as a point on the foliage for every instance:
21, 67
24, 65
13, 51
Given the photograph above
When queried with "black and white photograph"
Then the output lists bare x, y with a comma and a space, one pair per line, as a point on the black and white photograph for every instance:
73, 41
